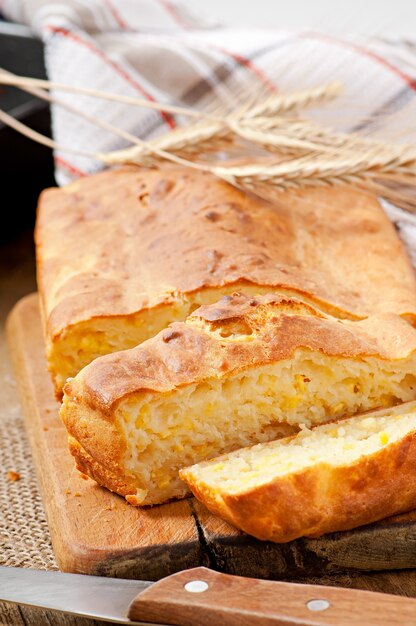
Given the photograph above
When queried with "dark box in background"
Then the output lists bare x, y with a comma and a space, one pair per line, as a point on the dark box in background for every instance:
25, 166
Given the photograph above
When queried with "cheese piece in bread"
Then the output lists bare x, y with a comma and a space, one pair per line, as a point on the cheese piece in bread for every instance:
235, 373
123, 253
334, 477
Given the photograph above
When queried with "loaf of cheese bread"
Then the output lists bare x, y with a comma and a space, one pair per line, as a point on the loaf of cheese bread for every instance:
242, 371
125, 252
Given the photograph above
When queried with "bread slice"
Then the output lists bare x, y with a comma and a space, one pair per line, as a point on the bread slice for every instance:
242, 371
123, 253
334, 477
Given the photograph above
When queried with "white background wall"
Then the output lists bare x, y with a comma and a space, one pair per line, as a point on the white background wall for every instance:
337, 16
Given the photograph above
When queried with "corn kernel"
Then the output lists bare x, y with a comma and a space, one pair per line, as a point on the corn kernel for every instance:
384, 438
92, 343
291, 403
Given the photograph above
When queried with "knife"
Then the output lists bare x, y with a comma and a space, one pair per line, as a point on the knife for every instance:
203, 597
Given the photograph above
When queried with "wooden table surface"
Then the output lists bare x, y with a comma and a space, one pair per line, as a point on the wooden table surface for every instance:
17, 278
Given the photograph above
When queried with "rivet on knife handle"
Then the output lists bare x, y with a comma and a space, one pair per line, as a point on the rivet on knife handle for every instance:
206, 598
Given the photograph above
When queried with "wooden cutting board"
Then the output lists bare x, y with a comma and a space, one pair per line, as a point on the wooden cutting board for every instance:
96, 532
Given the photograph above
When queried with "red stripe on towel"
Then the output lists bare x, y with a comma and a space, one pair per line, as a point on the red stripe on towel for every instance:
168, 119
116, 14
60, 162
406, 78
169, 8
251, 67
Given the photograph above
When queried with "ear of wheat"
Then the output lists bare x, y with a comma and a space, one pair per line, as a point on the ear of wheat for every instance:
280, 148
367, 168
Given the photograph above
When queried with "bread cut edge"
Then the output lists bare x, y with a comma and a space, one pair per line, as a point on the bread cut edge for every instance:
100, 433
72, 349
322, 498
102, 408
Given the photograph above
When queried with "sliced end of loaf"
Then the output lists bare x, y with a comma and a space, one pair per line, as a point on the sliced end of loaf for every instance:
78, 345
234, 374
335, 477
168, 431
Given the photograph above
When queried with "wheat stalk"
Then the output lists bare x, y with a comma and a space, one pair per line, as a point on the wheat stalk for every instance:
276, 104
360, 168
215, 134
37, 137
44, 95
300, 129
300, 152
302, 135
8, 78
184, 140
276, 140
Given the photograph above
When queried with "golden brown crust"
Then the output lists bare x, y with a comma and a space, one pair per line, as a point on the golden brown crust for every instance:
322, 498
240, 332
124, 240
102, 474
98, 447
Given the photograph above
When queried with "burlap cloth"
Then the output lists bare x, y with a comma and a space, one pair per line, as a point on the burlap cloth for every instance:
24, 534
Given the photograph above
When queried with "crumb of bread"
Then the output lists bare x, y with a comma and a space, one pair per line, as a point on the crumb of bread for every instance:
84, 342
338, 443
133, 500
13, 476
332, 478
199, 421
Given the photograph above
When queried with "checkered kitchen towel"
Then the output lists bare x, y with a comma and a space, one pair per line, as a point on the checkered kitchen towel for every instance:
160, 50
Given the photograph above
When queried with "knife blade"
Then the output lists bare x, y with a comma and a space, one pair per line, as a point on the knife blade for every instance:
87, 596
202, 597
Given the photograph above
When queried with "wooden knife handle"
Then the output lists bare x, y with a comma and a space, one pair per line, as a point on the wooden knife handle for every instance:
202, 597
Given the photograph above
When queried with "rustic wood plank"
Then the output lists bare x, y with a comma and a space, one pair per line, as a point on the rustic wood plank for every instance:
386, 545
399, 582
96, 532
19, 615
93, 531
